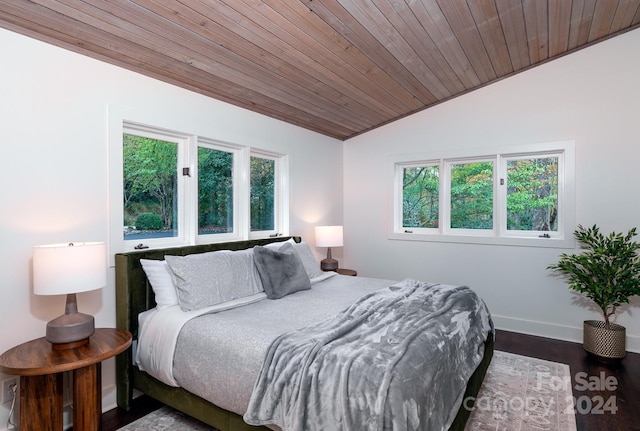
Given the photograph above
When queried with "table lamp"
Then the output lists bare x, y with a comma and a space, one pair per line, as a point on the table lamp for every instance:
67, 269
328, 236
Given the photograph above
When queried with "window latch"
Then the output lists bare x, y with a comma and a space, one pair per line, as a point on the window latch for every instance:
275, 235
141, 246
408, 231
186, 172
544, 235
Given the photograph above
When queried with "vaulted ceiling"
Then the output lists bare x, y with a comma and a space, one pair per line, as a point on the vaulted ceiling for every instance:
338, 67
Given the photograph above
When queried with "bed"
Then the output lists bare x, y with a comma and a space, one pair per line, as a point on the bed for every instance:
208, 402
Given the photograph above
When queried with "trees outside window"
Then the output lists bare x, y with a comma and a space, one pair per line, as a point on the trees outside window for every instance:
149, 187
471, 193
182, 189
420, 196
263, 194
215, 191
519, 195
532, 194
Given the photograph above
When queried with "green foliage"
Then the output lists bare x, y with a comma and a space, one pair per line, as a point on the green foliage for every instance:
215, 191
149, 221
262, 193
150, 186
472, 196
149, 176
607, 272
420, 196
532, 195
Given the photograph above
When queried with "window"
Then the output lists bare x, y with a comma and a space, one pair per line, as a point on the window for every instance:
520, 197
263, 193
151, 187
170, 188
532, 193
215, 190
420, 196
470, 194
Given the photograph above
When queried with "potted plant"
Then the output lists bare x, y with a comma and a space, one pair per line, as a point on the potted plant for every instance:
608, 273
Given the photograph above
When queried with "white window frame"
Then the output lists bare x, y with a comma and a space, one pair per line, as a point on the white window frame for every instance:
397, 185
562, 203
184, 143
281, 197
563, 238
445, 190
239, 161
120, 122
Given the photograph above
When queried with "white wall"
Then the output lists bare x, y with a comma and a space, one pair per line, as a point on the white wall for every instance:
591, 97
54, 108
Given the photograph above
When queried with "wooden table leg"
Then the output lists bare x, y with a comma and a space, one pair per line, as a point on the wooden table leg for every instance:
41, 402
87, 399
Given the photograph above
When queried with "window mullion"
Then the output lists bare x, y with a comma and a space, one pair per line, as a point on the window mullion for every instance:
397, 207
282, 195
445, 188
500, 193
563, 194
189, 198
242, 192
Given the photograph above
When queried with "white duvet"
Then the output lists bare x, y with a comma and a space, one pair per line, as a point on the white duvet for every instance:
159, 332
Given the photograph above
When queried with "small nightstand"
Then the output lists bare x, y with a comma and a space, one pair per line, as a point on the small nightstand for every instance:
345, 271
40, 369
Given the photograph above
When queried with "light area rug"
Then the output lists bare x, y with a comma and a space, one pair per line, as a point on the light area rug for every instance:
525, 394
518, 394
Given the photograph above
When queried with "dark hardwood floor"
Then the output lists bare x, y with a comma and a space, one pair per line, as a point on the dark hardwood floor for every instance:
593, 385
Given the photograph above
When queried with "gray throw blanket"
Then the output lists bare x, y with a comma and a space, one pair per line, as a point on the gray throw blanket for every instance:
399, 358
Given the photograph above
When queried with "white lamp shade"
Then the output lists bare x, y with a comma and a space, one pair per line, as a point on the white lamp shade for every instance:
328, 236
60, 269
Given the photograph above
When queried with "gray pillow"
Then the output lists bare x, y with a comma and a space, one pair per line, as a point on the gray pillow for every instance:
309, 262
281, 271
207, 279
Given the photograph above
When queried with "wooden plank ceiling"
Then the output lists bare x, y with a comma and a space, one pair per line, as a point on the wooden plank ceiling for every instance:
338, 67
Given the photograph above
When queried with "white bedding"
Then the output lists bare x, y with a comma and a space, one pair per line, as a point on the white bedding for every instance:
159, 334
159, 331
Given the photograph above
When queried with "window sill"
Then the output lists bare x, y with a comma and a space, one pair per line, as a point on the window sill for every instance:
566, 243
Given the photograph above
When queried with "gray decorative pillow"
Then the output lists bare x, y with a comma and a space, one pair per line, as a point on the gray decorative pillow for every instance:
281, 270
311, 265
207, 279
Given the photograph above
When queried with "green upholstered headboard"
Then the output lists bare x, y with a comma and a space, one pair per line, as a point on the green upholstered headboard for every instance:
133, 296
133, 292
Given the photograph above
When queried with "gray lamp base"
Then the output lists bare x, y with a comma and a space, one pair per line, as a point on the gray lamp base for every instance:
72, 329
329, 263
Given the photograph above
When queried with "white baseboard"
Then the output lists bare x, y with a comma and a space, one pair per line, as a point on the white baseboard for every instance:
557, 332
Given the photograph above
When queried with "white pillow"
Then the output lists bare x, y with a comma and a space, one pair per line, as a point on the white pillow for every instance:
207, 279
311, 265
161, 279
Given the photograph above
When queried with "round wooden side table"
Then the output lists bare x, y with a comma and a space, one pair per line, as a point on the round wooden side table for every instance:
40, 369
345, 271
